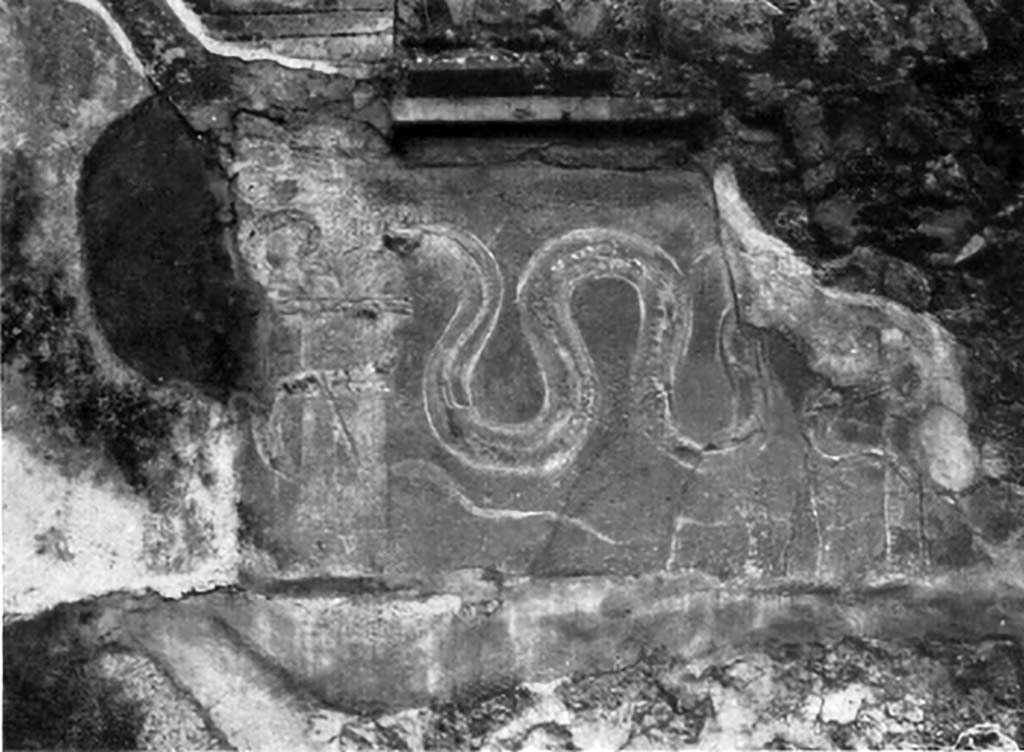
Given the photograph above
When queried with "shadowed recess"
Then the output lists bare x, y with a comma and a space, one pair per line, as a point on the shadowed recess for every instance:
155, 206
55, 696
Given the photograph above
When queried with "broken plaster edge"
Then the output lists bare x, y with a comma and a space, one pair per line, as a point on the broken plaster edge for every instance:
777, 290
193, 25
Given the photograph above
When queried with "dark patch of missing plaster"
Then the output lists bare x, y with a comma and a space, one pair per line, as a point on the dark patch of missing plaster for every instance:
156, 211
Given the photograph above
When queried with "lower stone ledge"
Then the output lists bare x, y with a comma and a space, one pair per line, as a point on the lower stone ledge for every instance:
383, 652
471, 662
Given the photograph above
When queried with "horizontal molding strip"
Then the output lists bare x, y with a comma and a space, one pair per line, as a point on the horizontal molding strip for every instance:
438, 110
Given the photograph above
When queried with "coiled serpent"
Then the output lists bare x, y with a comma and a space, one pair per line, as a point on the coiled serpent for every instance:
551, 440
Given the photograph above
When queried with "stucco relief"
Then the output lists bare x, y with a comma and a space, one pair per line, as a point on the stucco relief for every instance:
545, 372
551, 440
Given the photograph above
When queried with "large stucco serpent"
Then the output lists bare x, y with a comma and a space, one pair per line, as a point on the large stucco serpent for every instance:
551, 440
